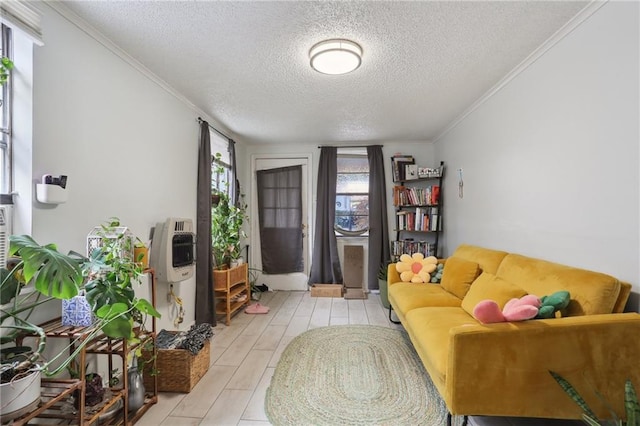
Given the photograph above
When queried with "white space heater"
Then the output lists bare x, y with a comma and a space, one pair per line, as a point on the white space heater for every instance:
172, 250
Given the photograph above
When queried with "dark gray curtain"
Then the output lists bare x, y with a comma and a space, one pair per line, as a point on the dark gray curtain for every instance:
325, 265
378, 224
234, 185
204, 265
280, 218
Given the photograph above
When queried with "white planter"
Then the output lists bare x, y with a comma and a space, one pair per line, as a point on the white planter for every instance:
18, 395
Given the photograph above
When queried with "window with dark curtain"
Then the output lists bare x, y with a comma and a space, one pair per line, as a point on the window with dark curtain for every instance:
280, 219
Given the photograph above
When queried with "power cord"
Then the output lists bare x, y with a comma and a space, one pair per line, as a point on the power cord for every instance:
177, 307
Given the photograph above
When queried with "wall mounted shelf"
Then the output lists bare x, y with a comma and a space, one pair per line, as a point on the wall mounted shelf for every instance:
51, 194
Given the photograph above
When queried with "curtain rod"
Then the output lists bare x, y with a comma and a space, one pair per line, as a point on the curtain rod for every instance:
200, 120
347, 146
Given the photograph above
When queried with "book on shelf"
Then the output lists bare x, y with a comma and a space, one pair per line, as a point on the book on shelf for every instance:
410, 247
435, 194
398, 163
411, 171
412, 196
435, 220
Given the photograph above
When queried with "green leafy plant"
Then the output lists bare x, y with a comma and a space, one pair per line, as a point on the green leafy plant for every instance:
111, 272
632, 407
6, 65
382, 271
58, 276
226, 230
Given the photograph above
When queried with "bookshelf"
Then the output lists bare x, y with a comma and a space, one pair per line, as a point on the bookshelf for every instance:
418, 202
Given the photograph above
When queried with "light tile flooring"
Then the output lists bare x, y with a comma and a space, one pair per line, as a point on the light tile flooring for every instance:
244, 356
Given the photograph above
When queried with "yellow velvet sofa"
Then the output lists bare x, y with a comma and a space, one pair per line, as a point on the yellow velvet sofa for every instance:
501, 369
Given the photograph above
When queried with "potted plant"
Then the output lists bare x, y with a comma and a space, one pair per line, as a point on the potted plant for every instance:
632, 407
382, 283
58, 276
55, 276
111, 271
226, 230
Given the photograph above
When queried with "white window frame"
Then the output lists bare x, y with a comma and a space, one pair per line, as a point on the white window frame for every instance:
360, 152
6, 162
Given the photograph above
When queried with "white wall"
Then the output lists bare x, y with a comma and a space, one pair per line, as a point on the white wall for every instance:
551, 160
423, 153
128, 146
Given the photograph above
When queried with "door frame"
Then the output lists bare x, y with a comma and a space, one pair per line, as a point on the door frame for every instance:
308, 220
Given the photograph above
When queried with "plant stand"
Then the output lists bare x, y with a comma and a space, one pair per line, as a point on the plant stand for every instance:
231, 290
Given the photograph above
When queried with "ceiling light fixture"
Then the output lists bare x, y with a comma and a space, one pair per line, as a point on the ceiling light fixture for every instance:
335, 56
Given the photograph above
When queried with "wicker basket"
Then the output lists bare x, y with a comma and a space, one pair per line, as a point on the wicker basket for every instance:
178, 370
223, 279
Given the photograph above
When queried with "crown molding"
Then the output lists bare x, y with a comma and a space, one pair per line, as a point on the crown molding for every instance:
564, 31
93, 32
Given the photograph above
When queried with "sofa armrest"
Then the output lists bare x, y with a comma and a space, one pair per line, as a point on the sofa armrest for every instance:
393, 276
509, 363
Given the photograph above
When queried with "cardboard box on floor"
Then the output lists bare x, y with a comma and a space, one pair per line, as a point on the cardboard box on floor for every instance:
326, 290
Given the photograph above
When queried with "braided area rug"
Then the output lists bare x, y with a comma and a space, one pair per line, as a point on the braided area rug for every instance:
352, 375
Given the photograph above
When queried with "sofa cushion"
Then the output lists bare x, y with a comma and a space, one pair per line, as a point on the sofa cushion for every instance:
591, 292
407, 296
488, 259
458, 275
489, 286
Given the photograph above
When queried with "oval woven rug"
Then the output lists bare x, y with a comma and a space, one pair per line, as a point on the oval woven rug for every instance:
352, 375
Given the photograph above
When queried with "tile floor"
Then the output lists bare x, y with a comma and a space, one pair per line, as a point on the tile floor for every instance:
244, 356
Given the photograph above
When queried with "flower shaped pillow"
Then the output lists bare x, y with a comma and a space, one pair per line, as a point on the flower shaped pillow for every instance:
415, 268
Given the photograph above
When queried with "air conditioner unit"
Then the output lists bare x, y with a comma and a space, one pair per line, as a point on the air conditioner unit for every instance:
5, 232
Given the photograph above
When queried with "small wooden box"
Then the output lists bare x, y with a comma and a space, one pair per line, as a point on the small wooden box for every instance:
326, 290
178, 370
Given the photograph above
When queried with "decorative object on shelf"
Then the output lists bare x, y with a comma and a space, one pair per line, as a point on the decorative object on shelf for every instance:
136, 387
141, 253
77, 311
111, 271
112, 234
93, 389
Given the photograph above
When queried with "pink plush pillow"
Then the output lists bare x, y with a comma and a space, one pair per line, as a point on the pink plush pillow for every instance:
488, 311
488, 286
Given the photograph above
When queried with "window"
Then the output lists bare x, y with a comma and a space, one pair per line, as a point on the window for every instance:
352, 192
5, 117
220, 164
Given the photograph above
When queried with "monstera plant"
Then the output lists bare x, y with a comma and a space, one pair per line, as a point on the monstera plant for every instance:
58, 276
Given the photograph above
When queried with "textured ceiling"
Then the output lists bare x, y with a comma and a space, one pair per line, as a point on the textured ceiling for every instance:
246, 63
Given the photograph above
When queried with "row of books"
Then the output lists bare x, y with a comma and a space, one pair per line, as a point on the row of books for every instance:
422, 219
411, 196
398, 166
401, 247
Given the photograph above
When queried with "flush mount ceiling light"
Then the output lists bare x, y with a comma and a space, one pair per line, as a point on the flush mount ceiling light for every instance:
336, 56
